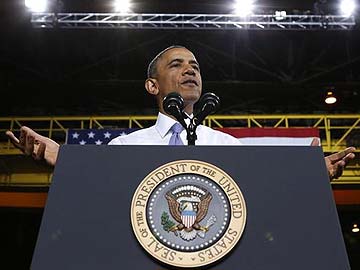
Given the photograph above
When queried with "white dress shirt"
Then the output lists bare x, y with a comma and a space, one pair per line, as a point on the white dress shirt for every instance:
160, 134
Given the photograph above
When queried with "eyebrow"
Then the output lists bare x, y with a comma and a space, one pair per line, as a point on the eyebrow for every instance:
182, 60
175, 60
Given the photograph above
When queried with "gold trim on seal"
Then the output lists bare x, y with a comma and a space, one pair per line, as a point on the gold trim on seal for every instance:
173, 257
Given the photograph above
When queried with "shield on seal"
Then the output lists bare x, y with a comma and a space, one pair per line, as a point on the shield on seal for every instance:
188, 218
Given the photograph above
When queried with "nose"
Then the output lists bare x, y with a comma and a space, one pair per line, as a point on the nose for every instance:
189, 70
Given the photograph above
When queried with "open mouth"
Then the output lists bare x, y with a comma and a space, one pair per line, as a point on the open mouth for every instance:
188, 82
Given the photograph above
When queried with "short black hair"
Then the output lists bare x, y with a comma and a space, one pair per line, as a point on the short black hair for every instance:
152, 67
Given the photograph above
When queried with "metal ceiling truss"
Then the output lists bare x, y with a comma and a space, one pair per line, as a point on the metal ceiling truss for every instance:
335, 130
191, 21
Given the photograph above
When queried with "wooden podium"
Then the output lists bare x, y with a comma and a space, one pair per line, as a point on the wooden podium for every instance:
292, 221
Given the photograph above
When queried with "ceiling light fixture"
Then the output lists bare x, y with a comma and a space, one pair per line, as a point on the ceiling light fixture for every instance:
347, 7
122, 6
244, 8
330, 97
36, 5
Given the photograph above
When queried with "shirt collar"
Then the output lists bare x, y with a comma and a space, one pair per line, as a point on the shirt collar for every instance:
164, 123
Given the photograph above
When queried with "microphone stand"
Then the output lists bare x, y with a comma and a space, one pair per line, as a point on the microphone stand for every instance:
173, 104
191, 132
209, 102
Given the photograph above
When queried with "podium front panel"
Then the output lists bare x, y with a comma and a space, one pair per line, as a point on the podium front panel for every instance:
292, 221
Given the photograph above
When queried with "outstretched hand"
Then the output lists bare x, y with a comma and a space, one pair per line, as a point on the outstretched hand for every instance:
36, 145
335, 163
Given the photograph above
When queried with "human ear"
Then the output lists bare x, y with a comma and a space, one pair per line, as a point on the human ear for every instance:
151, 86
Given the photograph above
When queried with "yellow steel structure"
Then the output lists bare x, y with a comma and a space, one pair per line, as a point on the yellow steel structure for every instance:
336, 131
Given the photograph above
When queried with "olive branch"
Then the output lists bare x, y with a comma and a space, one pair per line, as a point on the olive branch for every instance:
166, 222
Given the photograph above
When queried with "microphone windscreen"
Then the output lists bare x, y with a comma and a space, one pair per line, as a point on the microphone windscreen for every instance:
173, 99
209, 98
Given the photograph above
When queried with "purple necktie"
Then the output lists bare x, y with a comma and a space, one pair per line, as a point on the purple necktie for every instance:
175, 137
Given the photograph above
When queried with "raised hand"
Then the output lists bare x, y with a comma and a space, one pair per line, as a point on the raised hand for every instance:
336, 163
36, 145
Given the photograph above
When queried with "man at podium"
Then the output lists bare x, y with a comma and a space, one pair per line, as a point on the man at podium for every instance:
175, 69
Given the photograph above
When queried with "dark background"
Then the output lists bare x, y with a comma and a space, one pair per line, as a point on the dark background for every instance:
102, 71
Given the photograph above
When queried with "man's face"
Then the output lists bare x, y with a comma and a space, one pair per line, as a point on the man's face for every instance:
178, 71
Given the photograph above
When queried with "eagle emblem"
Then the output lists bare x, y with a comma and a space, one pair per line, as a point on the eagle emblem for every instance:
188, 205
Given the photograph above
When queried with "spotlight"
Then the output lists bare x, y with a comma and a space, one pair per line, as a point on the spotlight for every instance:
330, 97
347, 7
244, 7
280, 15
355, 228
36, 5
122, 6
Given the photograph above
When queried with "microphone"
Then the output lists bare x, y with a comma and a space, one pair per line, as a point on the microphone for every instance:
173, 104
208, 104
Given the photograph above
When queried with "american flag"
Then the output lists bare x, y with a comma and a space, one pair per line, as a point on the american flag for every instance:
95, 136
248, 136
274, 136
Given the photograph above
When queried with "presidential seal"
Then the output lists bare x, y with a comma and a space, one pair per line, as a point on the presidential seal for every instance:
188, 213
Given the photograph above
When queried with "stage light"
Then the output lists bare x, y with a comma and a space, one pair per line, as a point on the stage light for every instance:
36, 5
347, 7
355, 228
122, 6
280, 15
330, 98
244, 7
